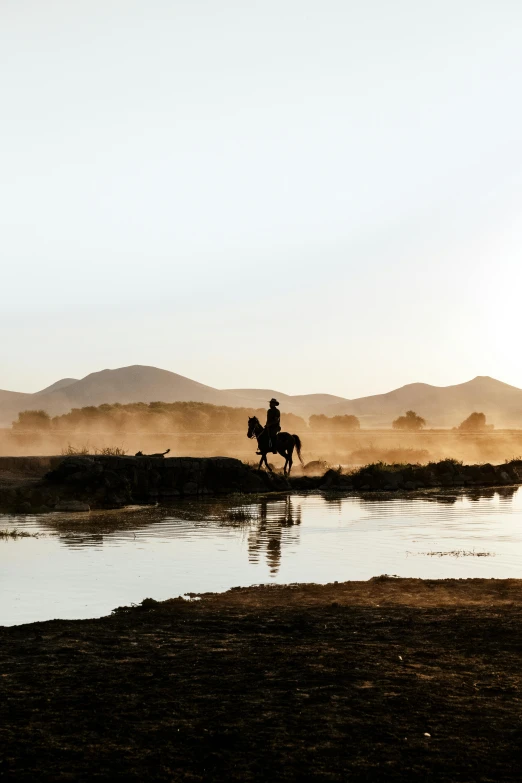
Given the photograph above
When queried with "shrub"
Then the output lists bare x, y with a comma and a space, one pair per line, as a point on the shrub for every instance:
32, 420
75, 451
410, 422
476, 422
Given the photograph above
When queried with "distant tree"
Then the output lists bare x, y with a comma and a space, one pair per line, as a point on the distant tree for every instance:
32, 420
290, 422
322, 423
476, 422
152, 418
410, 422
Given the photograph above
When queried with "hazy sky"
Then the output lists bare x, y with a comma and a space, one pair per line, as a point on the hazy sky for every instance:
310, 196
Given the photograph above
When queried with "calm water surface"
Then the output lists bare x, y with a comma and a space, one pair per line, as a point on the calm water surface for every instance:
85, 565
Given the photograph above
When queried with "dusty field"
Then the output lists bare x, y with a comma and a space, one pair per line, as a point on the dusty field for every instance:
381, 680
354, 448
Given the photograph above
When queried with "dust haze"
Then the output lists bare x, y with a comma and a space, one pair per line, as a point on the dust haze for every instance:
203, 430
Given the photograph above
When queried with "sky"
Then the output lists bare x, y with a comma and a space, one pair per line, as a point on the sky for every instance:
305, 195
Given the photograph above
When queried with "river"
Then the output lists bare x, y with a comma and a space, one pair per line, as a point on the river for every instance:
84, 565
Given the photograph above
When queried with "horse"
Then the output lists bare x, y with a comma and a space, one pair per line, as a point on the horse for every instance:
285, 444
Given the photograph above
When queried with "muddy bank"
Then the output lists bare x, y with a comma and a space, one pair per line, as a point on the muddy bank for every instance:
114, 482
446, 473
387, 679
40, 484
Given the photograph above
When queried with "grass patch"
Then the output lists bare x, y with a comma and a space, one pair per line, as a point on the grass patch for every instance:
458, 553
391, 467
84, 451
14, 533
75, 451
449, 464
239, 516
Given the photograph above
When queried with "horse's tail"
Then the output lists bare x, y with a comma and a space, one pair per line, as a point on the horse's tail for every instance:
297, 441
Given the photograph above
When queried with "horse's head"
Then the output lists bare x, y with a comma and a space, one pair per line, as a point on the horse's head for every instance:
253, 426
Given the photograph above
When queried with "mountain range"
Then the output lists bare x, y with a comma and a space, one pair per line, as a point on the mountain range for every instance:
441, 406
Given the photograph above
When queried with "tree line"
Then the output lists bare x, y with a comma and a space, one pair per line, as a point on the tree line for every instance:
412, 422
195, 417
153, 417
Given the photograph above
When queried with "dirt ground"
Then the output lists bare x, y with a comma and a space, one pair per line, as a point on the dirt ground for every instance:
392, 679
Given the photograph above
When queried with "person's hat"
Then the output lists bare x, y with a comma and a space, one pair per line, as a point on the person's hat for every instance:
273, 400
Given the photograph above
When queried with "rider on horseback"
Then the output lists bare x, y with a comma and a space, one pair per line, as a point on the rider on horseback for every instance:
273, 425
270, 438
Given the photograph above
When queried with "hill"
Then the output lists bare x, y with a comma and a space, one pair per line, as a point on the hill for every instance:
137, 383
61, 384
441, 406
301, 404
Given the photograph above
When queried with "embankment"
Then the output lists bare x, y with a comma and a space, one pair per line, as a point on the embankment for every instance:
391, 679
40, 484
113, 482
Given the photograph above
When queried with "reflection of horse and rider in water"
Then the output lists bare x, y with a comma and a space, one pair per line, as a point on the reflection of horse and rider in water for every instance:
270, 439
275, 516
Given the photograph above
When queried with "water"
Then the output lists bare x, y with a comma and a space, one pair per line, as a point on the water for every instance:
86, 565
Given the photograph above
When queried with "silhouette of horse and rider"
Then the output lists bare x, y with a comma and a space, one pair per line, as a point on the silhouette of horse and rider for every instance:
271, 439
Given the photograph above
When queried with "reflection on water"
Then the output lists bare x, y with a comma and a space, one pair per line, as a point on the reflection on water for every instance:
85, 565
267, 534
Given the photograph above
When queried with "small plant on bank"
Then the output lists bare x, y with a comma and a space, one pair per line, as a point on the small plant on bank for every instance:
83, 451
75, 451
14, 533
390, 467
449, 464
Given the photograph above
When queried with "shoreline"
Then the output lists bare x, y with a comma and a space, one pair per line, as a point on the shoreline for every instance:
78, 483
408, 677
378, 591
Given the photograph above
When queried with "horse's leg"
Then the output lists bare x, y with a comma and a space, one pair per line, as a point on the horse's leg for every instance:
267, 465
289, 458
283, 453
260, 462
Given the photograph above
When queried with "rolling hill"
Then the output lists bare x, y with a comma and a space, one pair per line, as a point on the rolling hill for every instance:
126, 384
441, 406
302, 404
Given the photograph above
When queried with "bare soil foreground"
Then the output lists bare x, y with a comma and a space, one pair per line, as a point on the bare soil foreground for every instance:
392, 679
